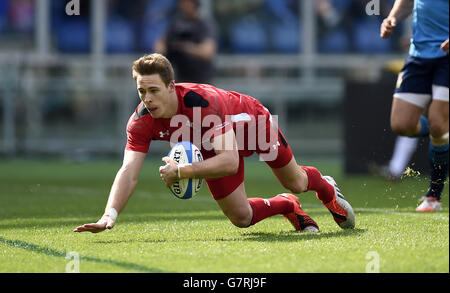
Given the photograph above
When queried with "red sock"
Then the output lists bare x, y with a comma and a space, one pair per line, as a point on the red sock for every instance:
264, 208
324, 190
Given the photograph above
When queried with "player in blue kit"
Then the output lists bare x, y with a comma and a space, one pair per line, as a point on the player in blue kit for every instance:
423, 82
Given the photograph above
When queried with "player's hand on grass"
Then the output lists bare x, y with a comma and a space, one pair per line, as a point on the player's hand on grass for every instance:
169, 172
444, 46
104, 223
387, 27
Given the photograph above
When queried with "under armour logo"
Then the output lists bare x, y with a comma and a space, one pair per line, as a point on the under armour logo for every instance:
266, 202
275, 146
162, 134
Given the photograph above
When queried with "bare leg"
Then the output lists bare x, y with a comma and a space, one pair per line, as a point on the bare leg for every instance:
438, 116
292, 177
236, 207
405, 118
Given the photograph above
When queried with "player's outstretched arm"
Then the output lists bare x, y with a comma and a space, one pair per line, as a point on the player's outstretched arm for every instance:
225, 163
400, 10
121, 190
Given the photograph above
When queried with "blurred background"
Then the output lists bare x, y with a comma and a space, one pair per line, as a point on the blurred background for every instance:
66, 88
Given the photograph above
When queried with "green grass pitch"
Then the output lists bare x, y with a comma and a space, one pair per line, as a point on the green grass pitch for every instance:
41, 202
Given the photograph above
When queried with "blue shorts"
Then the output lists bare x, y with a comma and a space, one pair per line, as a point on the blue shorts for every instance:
422, 80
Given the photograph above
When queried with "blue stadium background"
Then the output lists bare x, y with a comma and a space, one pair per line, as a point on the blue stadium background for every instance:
66, 87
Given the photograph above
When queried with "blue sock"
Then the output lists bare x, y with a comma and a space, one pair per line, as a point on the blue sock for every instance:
438, 156
425, 130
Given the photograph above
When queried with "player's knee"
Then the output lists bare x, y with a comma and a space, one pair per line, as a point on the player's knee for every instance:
297, 186
296, 181
403, 129
438, 128
241, 220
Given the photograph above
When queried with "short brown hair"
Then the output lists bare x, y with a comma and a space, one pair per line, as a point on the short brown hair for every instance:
154, 63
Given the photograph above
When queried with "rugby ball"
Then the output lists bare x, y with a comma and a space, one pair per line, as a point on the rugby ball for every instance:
186, 152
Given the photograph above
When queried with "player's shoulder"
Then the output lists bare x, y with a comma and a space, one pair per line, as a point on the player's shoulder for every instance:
199, 95
140, 118
141, 113
213, 100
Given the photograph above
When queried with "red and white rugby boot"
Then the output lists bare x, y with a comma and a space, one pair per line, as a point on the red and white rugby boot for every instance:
339, 207
299, 218
429, 204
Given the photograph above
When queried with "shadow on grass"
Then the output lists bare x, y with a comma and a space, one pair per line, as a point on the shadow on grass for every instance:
126, 218
56, 253
283, 236
288, 236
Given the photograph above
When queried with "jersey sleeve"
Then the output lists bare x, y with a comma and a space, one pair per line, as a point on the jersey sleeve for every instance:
139, 134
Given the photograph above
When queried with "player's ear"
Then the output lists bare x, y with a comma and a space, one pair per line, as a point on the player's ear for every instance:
171, 86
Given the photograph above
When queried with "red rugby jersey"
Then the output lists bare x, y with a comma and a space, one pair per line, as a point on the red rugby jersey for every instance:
203, 112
